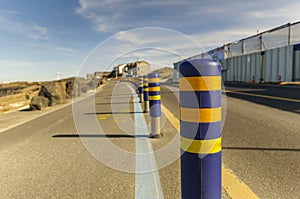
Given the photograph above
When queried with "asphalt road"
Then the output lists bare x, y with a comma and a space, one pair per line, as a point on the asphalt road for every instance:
93, 157
261, 137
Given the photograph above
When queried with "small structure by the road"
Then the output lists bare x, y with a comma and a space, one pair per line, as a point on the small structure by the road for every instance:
138, 68
101, 74
89, 76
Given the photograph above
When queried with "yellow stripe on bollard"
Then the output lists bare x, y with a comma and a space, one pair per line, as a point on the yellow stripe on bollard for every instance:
153, 80
157, 88
200, 115
201, 146
155, 97
204, 83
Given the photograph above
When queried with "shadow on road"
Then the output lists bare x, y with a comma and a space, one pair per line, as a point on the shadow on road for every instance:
116, 103
25, 109
98, 136
104, 113
260, 149
292, 93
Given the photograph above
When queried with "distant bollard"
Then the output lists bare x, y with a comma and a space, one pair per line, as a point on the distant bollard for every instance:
155, 104
141, 89
253, 79
146, 94
200, 128
279, 80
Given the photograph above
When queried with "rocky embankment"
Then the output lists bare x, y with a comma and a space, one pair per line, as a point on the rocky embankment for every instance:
39, 95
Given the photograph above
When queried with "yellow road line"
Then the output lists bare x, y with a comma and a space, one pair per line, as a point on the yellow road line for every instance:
264, 96
233, 186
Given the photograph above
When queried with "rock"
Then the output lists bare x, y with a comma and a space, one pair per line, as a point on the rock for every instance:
39, 103
77, 89
84, 88
69, 89
55, 92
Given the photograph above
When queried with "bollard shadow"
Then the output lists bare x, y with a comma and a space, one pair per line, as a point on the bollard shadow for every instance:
25, 110
99, 136
260, 149
118, 95
240, 91
104, 113
116, 103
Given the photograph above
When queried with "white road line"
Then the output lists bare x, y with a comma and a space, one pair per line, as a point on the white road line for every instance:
147, 181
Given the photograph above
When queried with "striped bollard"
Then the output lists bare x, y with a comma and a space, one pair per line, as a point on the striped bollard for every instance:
146, 94
200, 128
141, 89
155, 107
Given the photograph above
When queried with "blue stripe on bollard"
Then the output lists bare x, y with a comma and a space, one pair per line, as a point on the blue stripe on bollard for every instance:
200, 131
205, 67
146, 89
154, 95
153, 84
140, 89
199, 181
200, 99
200, 128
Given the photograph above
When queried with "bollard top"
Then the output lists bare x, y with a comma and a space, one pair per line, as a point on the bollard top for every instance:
154, 75
199, 67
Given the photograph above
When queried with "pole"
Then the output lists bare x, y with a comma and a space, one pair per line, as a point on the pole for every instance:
155, 104
261, 62
200, 128
146, 94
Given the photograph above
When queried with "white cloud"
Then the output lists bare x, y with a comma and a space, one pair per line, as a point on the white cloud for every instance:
54, 49
28, 29
11, 12
188, 16
209, 23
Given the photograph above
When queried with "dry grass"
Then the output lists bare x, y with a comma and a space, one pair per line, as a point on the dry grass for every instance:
16, 101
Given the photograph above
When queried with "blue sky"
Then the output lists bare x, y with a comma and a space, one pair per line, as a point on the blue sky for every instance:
42, 37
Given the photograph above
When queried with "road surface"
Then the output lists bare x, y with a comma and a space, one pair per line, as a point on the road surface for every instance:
89, 151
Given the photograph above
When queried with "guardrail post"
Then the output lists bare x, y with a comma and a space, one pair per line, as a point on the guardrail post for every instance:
146, 94
200, 128
155, 104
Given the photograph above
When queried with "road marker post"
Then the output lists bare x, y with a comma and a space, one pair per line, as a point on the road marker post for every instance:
200, 129
146, 94
279, 80
155, 104
253, 79
141, 89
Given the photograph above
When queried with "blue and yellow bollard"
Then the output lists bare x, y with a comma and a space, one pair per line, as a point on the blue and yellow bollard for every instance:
141, 92
200, 128
146, 94
155, 104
